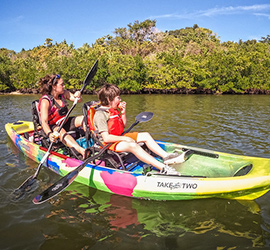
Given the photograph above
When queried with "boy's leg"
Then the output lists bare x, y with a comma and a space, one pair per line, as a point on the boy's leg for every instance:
139, 152
168, 158
151, 144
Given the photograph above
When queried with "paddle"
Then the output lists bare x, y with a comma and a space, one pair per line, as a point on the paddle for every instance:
65, 181
26, 185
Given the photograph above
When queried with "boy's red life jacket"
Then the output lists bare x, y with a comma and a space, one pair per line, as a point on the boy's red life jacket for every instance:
55, 117
115, 122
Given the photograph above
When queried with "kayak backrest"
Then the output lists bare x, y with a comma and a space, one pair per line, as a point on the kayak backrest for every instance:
39, 135
89, 109
35, 113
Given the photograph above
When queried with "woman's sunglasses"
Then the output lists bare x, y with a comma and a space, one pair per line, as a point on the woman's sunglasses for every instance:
55, 78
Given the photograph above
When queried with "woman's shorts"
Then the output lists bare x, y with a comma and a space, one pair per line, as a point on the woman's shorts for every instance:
68, 126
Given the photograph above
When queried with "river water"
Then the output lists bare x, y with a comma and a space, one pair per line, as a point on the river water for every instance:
83, 218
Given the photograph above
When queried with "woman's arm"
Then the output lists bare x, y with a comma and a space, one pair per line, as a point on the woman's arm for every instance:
68, 95
44, 114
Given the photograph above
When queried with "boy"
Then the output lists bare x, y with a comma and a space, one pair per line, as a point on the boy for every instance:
110, 125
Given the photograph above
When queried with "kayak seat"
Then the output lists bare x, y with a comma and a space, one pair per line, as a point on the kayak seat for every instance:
110, 157
40, 137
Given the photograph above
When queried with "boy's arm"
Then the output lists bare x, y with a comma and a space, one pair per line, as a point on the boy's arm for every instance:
122, 107
124, 119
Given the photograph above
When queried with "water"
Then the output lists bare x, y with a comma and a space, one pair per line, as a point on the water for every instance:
83, 218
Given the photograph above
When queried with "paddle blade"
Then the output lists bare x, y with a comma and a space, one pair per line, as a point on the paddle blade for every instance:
26, 186
56, 188
144, 116
90, 75
65, 181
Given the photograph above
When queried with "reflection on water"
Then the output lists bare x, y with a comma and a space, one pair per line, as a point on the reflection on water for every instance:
84, 218
133, 221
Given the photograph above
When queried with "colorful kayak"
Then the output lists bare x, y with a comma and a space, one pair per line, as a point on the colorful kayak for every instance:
206, 174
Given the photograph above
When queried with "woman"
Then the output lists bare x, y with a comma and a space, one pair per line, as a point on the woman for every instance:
53, 109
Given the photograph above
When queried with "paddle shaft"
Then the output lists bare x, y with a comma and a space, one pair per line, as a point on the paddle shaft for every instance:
131, 127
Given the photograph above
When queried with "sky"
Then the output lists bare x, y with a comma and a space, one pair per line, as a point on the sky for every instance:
25, 24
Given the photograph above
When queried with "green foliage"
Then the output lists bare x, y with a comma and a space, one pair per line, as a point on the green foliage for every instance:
140, 56
5, 72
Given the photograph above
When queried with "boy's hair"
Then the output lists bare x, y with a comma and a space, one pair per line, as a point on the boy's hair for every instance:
107, 93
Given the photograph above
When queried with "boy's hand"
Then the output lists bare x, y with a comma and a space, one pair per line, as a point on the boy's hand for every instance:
122, 106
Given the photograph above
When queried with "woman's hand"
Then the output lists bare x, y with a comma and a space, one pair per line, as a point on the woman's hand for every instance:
77, 94
53, 136
72, 97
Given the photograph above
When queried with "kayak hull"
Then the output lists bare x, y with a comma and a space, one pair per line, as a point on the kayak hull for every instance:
202, 176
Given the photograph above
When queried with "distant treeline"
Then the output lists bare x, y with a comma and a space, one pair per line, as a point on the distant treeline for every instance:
140, 59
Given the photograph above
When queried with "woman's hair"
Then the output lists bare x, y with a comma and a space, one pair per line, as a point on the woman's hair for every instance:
107, 93
47, 82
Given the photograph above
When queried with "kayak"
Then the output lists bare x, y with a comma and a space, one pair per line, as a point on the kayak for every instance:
206, 174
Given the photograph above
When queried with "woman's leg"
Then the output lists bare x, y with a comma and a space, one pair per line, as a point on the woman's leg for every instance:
69, 141
139, 152
79, 122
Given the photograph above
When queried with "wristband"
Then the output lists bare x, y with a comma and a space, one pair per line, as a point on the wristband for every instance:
49, 134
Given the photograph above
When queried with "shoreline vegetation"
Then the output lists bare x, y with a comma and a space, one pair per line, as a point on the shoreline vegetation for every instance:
140, 59
148, 91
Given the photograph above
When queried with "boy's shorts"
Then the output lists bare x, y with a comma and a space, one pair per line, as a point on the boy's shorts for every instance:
133, 135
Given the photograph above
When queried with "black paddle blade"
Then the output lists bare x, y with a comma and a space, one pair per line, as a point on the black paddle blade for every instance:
144, 116
90, 75
56, 188
26, 186
65, 181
